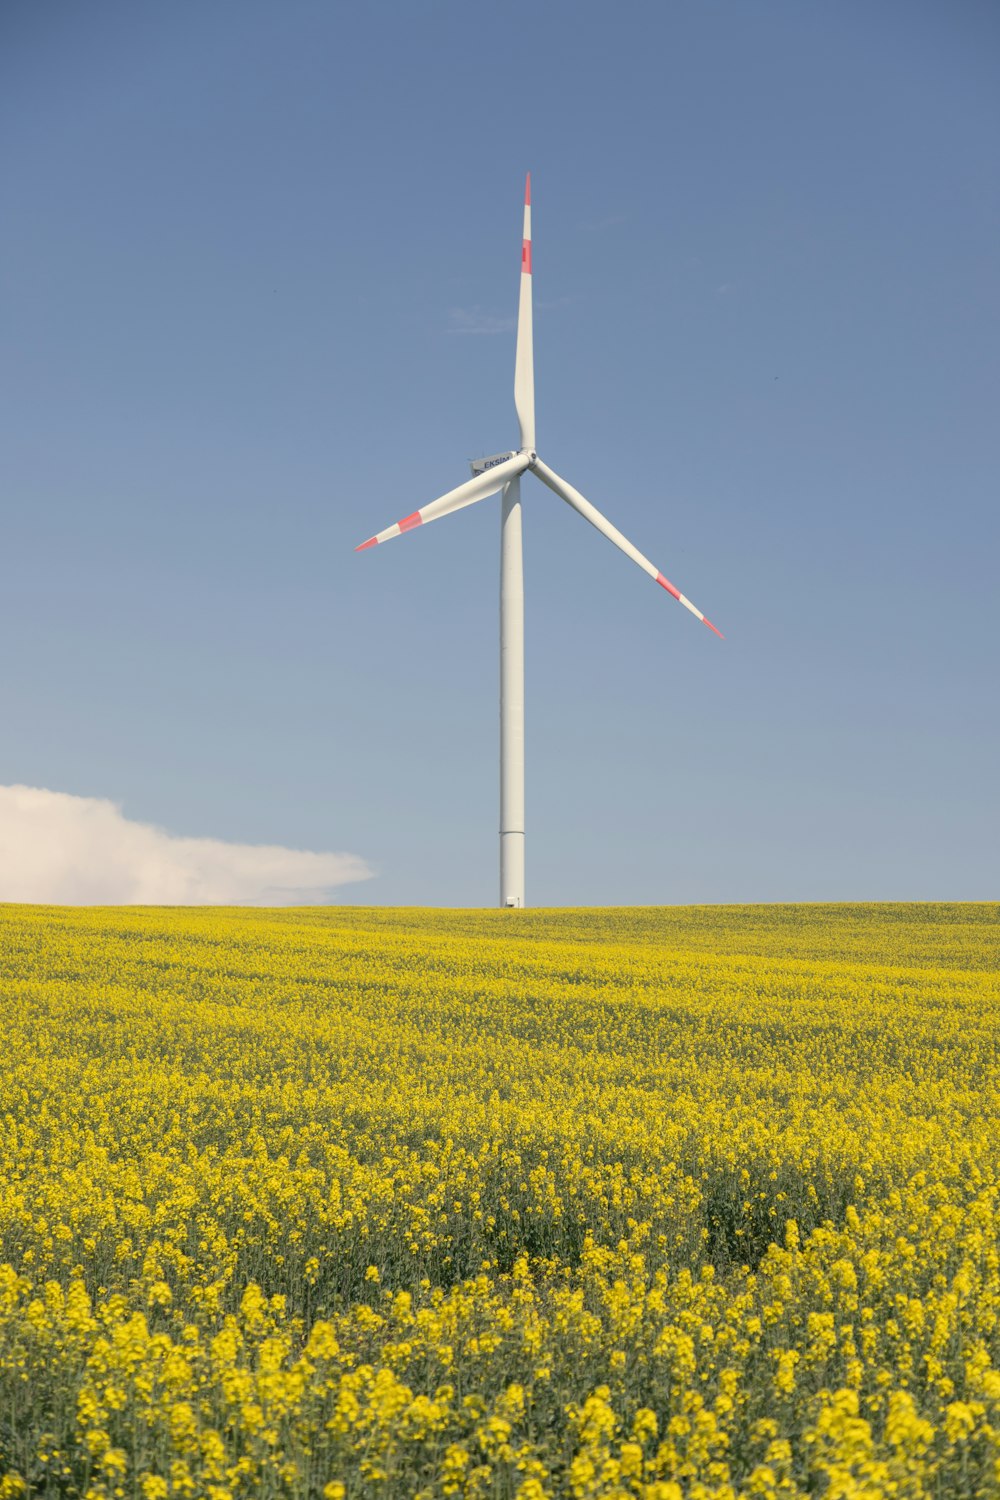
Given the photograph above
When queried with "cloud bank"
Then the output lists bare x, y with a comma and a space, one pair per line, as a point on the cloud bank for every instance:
57, 849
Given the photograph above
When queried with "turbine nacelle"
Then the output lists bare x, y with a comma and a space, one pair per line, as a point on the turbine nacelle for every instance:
482, 465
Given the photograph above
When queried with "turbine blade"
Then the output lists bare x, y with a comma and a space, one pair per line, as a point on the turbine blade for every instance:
524, 364
593, 515
468, 493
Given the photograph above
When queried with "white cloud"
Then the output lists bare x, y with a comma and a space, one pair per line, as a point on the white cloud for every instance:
474, 320
63, 850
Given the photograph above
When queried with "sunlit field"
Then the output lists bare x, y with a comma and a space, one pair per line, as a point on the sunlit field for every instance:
664, 1203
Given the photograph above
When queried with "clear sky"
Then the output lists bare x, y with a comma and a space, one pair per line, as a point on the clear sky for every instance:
259, 270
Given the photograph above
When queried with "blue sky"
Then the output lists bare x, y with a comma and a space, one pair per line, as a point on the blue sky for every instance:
259, 275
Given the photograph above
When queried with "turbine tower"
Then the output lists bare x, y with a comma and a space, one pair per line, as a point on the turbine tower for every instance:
503, 473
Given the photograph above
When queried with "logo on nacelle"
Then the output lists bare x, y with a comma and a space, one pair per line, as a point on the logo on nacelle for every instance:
480, 465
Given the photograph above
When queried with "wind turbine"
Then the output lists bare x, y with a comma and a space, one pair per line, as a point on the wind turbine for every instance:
503, 472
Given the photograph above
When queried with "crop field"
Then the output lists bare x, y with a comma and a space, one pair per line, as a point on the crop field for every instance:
341, 1202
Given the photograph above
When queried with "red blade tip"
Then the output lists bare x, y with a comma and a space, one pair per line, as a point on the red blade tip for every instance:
712, 627
527, 188
371, 542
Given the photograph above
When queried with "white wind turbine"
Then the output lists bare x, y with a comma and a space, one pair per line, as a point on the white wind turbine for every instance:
503, 472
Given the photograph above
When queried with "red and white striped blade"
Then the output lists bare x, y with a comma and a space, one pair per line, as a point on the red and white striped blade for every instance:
524, 362
593, 515
468, 493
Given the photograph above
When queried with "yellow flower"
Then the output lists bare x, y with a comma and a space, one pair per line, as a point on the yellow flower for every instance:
959, 1421
298, 1167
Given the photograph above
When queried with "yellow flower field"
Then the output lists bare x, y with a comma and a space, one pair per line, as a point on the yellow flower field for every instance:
654, 1203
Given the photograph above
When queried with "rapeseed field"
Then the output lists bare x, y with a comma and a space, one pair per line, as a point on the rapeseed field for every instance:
358, 1203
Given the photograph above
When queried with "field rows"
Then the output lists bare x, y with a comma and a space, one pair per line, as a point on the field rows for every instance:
658, 1203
